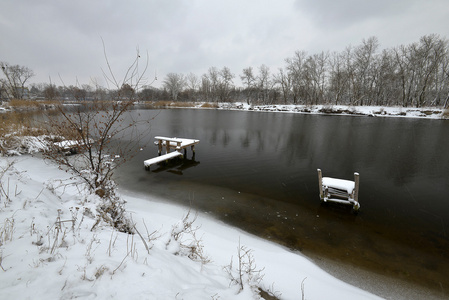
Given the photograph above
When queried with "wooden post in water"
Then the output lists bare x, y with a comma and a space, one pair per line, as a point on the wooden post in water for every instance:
356, 187
167, 146
320, 183
159, 147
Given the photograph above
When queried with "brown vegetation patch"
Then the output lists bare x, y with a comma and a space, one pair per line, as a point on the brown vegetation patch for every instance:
431, 112
182, 104
21, 103
25, 104
19, 122
209, 105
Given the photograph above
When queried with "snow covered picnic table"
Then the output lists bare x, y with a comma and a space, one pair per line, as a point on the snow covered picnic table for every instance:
67, 144
176, 143
170, 143
70, 146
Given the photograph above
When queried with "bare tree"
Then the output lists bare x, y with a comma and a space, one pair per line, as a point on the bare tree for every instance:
225, 84
316, 77
78, 93
192, 82
338, 82
174, 83
214, 83
386, 82
431, 52
248, 80
50, 92
362, 77
15, 78
104, 135
284, 80
445, 76
264, 85
206, 88
296, 68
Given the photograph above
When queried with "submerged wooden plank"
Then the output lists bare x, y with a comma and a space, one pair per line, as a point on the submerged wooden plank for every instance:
161, 158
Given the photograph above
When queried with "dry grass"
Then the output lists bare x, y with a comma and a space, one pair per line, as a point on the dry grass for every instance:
160, 104
20, 123
21, 104
182, 104
169, 104
210, 105
16, 124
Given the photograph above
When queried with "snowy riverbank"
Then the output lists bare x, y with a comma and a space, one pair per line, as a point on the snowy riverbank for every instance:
371, 111
48, 249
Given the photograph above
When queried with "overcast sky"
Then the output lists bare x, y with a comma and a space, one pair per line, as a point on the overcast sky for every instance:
63, 39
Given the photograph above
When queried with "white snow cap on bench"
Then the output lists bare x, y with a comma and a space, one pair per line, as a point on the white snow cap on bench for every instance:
346, 185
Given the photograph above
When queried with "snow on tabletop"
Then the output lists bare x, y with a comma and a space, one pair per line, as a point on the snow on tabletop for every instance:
342, 184
173, 141
44, 259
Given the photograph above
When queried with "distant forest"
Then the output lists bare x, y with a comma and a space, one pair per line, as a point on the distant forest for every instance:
414, 75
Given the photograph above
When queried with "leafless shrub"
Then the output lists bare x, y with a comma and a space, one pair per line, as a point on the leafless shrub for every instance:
270, 293
90, 248
245, 272
100, 271
4, 193
7, 230
93, 130
184, 235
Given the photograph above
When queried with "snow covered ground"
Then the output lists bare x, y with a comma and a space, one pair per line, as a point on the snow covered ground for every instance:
48, 249
372, 111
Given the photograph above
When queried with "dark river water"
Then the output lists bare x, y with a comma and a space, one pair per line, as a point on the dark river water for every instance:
258, 171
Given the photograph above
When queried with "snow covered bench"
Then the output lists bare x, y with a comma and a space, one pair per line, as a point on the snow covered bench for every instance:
339, 190
70, 146
147, 163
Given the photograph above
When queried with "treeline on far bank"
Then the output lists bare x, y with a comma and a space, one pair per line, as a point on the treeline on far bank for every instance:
414, 75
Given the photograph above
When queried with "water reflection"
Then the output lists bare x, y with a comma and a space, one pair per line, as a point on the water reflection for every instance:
176, 166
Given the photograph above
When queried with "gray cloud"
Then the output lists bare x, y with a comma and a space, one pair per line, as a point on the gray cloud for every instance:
333, 14
64, 38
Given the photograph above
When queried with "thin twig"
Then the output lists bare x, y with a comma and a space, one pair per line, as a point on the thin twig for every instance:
143, 240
